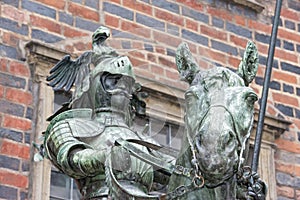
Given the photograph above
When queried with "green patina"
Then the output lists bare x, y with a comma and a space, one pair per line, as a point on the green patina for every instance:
90, 138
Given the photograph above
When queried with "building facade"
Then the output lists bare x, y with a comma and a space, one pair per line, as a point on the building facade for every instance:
35, 34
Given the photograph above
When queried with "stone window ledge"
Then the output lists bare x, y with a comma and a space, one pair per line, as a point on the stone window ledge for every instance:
253, 4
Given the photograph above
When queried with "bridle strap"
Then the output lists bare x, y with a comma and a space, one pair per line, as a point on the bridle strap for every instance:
194, 160
162, 165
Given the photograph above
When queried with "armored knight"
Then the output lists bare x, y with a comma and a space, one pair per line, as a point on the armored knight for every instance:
80, 136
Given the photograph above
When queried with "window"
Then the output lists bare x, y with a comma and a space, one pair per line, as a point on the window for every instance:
63, 187
165, 133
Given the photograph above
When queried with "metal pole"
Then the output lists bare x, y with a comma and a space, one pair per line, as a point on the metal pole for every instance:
264, 97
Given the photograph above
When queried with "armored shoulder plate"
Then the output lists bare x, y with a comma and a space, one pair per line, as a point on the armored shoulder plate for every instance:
80, 122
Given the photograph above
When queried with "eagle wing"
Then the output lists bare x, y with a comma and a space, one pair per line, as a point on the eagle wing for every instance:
67, 72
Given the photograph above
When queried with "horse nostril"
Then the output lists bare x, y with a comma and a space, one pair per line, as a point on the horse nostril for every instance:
229, 138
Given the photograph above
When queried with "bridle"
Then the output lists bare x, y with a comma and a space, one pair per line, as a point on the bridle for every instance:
194, 173
194, 160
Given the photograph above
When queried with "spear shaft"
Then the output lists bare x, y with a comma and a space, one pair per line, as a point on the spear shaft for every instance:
260, 124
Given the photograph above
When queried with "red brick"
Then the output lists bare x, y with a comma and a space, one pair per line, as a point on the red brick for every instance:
13, 179
193, 47
286, 145
242, 42
13, 13
240, 20
17, 123
234, 62
212, 55
290, 14
81, 46
259, 26
137, 45
262, 48
116, 44
71, 32
297, 194
280, 75
10, 39
82, 11
279, 53
151, 57
270, 110
45, 23
111, 21
136, 29
203, 64
297, 170
57, 4
175, 19
296, 122
137, 54
138, 62
289, 35
3, 64
166, 39
193, 4
1, 91
15, 149
193, 25
18, 96
116, 1
167, 63
261, 71
286, 168
287, 99
217, 12
138, 6
214, 33
18, 68
285, 191
160, 49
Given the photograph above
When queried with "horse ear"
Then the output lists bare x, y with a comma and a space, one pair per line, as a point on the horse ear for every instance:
186, 64
248, 67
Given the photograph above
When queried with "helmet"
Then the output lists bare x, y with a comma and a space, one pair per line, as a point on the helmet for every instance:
114, 65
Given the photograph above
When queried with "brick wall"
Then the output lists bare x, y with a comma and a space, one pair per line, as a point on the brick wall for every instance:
149, 30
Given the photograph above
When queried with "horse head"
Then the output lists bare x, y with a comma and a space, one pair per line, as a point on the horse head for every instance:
219, 116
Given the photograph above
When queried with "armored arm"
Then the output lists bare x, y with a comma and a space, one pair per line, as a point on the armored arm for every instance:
73, 157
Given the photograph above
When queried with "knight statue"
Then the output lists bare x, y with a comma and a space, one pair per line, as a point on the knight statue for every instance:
81, 135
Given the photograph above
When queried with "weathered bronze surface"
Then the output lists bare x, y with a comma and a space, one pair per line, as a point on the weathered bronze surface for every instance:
219, 117
90, 138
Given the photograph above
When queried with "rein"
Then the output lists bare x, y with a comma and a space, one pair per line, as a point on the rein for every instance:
164, 167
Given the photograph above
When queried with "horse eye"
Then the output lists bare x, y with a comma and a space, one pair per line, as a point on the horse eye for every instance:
251, 98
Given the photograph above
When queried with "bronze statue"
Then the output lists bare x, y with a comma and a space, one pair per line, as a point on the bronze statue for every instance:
79, 141
90, 138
